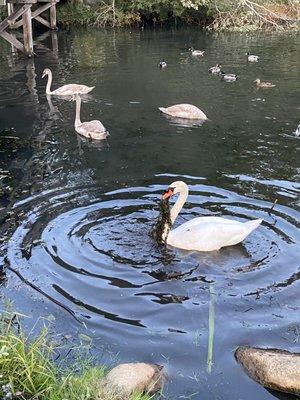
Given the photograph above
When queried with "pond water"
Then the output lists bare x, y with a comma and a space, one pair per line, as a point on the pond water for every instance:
77, 215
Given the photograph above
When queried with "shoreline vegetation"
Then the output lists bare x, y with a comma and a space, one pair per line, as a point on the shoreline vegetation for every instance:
213, 15
29, 370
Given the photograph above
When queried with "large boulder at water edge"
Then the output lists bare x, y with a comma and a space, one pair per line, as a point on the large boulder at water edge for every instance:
136, 377
272, 368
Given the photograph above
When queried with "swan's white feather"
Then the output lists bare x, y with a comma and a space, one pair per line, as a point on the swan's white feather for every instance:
71, 89
185, 111
210, 233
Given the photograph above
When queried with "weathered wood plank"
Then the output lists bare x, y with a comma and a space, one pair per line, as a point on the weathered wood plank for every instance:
16, 14
42, 20
10, 8
48, 1
53, 16
22, 1
34, 14
27, 32
12, 40
54, 42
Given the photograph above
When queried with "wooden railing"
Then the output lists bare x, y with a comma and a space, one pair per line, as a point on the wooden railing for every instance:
21, 13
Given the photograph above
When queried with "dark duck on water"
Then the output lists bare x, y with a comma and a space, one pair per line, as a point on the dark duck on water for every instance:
163, 221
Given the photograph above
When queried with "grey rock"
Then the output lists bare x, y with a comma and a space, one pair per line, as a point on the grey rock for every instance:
273, 368
136, 377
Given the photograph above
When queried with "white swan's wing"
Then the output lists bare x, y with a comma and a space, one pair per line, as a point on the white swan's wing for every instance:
92, 130
184, 111
71, 89
210, 233
93, 126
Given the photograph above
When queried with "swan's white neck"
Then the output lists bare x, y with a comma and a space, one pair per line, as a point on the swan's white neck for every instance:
77, 117
48, 87
183, 194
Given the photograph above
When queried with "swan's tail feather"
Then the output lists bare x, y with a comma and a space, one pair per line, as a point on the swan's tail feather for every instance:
162, 109
253, 224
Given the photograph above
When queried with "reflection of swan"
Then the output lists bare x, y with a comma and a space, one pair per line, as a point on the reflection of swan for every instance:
203, 233
66, 90
92, 129
53, 109
187, 111
185, 123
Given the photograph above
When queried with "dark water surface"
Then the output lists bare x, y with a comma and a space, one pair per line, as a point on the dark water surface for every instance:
78, 215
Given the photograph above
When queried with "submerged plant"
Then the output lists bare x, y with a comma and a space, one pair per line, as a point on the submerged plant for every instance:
163, 222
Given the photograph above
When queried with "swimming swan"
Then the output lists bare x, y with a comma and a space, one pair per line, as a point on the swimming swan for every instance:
185, 111
92, 129
203, 233
66, 90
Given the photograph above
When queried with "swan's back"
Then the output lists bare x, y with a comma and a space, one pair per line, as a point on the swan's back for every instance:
71, 89
92, 129
210, 233
187, 111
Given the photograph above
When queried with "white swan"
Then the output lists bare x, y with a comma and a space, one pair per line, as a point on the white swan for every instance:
66, 90
92, 129
185, 111
203, 233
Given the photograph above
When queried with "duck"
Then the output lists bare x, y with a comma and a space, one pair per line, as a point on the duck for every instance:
297, 131
228, 77
162, 64
252, 57
263, 84
66, 90
185, 111
202, 233
215, 70
92, 129
196, 52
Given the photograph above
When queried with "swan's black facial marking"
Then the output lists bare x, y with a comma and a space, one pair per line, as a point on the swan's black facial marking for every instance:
168, 193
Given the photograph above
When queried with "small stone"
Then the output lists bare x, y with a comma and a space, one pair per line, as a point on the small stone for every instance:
136, 377
272, 368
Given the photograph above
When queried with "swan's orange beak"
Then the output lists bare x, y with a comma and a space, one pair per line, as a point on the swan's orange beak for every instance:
168, 193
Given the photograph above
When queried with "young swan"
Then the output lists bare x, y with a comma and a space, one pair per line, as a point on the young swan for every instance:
66, 90
202, 233
92, 129
263, 84
184, 111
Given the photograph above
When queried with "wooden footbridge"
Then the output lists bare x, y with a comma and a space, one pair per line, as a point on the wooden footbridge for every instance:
21, 13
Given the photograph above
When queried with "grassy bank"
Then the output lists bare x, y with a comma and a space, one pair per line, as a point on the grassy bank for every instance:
28, 370
210, 14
